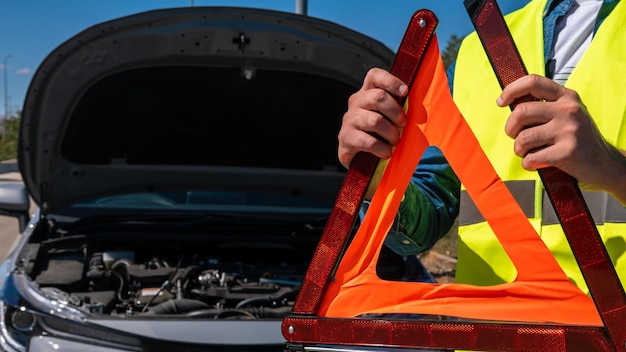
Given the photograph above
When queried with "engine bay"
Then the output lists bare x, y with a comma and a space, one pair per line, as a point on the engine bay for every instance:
228, 277
182, 266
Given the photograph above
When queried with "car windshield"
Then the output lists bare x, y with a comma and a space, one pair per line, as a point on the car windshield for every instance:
228, 201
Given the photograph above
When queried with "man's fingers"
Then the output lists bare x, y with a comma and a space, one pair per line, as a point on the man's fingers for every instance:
539, 87
537, 159
532, 140
374, 118
386, 108
357, 141
361, 126
380, 93
379, 78
527, 115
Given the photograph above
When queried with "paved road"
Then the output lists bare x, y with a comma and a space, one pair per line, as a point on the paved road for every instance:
9, 228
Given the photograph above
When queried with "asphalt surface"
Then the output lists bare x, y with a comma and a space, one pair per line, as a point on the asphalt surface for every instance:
9, 227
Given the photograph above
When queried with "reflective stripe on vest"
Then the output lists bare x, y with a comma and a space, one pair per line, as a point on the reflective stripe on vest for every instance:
604, 208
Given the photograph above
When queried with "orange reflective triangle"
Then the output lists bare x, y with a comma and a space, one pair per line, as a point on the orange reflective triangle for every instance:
540, 293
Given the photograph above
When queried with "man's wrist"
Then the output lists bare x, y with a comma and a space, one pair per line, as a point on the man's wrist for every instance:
618, 187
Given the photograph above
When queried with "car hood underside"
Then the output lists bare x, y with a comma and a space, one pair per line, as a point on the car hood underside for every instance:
198, 97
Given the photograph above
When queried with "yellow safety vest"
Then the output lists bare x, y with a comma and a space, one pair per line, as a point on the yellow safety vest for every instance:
599, 79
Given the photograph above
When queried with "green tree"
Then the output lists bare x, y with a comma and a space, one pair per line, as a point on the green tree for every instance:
452, 48
8, 140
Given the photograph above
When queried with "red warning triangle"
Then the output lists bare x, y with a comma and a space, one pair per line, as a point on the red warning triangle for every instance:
540, 293
539, 311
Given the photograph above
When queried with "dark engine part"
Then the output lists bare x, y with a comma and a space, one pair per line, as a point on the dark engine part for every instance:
208, 289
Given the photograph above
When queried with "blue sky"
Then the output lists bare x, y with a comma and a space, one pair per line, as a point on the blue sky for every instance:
31, 29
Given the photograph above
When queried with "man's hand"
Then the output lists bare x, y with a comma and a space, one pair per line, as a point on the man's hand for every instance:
374, 118
558, 131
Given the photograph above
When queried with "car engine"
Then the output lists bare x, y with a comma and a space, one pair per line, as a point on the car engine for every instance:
216, 279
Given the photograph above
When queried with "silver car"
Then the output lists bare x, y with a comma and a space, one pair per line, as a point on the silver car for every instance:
183, 163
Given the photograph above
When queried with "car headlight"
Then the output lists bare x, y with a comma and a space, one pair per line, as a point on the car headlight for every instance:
25, 313
11, 324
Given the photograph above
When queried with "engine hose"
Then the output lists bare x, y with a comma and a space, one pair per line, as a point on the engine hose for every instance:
264, 312
272, 301
177, 306
243, 313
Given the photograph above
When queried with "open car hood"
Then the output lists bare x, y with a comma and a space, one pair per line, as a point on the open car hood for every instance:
196, 97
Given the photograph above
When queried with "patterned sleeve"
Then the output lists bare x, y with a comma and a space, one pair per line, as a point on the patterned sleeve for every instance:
429, 208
